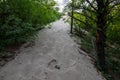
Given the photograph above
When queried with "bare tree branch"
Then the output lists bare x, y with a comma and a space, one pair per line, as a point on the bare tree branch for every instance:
91, 5
116, 4
77, 19
90, 10
86, 16
87, 24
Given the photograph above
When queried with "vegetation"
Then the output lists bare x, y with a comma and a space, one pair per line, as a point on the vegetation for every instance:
20, 19
97, 23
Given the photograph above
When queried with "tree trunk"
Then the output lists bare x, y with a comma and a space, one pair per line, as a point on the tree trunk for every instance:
100, 44
101, 32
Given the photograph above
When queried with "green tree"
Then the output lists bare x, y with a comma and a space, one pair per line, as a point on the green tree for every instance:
19, 19
97, 19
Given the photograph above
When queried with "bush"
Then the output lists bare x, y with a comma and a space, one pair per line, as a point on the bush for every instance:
20, 19
15, 31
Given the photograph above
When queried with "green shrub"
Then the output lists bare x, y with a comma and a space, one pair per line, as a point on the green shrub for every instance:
20, 19
15, 31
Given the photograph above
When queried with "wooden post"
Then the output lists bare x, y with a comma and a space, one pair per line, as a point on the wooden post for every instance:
72, 13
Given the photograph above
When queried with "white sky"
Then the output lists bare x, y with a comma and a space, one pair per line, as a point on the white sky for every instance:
62, 3
59, 1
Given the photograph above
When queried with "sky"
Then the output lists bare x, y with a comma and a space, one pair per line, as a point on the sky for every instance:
62, 3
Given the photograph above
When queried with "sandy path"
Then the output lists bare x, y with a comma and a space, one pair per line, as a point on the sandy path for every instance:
54, 56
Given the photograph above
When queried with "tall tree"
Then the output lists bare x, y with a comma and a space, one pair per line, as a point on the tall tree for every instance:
101, 9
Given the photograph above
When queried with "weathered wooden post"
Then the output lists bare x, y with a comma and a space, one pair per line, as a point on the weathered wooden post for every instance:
72, 13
